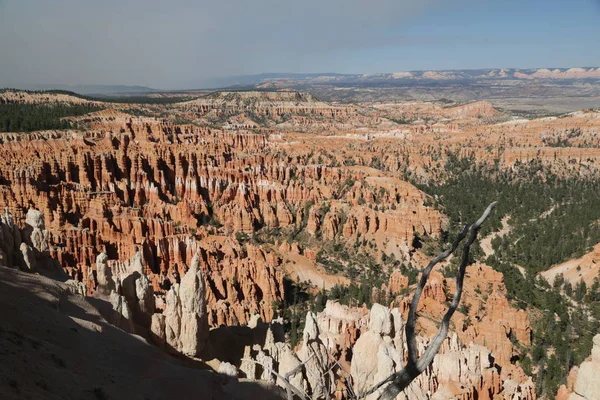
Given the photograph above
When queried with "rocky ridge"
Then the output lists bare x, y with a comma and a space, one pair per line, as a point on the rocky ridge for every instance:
21, 97
270, 104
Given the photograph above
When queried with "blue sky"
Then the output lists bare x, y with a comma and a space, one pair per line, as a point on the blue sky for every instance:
183, 43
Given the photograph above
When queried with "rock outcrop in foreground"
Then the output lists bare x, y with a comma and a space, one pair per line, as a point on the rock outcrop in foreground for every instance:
184, 324
55, 345
25, 248
346, 351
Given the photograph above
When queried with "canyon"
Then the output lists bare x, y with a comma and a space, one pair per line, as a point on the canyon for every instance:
337, 343
173, 224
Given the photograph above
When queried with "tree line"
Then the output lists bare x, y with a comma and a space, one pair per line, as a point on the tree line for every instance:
35, 117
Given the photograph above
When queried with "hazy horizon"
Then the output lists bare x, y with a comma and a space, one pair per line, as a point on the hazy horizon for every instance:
219, 82
187, 44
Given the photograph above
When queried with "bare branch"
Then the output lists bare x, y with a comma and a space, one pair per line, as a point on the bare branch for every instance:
289, 374
298, 367
415, 366
288, 385
412, 313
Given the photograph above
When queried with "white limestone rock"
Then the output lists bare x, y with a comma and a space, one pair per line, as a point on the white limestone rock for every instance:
364, 364
587, 385
28, 257
122, 314
254, 321
39, 235
268, 366
157, 329
194, 318
76, 287
315, 353
228, 369
288, 361
145, 295
104, 277
380, 321
248, 368
186, 318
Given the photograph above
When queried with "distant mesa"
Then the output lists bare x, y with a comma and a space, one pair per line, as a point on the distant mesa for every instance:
276, 80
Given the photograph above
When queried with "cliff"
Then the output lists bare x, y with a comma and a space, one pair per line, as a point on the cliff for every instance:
265, 104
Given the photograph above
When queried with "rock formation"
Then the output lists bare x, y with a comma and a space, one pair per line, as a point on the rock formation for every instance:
316, 359
362, 347
339, 344
141, 185
375, 356
56, 345
183, 326
184, 226
104, 279
26, 248
587, 385
489, 321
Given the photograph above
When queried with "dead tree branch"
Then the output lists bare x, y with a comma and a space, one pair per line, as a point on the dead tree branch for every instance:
289, 374
415, 365
285, 379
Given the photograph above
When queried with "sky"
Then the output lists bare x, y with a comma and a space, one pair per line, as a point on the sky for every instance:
180, 44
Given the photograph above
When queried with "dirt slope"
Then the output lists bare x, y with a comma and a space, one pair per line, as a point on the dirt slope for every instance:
585, 268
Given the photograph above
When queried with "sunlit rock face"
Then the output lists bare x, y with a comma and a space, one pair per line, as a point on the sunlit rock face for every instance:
345, 346
586, 385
